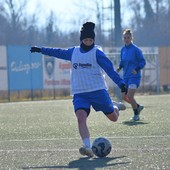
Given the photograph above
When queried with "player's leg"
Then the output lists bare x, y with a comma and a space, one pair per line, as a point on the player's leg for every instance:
82, 110
81, 115
130, 96
114, 115
133, 84
135, 106
126, 98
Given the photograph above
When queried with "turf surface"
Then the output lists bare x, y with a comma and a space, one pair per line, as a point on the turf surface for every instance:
44, 135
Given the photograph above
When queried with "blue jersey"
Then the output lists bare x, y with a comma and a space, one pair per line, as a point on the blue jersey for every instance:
102, 60
131, 59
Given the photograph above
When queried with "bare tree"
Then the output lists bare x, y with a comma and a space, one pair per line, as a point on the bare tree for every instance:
3, 28
16, 27
50, 29
151, 22
92, 12
13, 12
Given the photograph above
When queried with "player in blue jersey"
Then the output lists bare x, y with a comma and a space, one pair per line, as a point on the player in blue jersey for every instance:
88, 85
132, 61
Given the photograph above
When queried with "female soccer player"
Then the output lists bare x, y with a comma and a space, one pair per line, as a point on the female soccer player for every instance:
88, 85
132, 61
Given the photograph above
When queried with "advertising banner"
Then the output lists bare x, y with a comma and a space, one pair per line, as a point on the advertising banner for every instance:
150, 73
25, 69
3, 69
56, 73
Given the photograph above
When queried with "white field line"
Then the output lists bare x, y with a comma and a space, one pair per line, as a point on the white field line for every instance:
75, 150
34, 102
57, 139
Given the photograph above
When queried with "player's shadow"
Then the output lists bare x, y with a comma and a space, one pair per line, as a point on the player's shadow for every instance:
92, 164
85, 164
134, 123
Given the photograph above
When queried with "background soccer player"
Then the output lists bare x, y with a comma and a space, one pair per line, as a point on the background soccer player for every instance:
132, 61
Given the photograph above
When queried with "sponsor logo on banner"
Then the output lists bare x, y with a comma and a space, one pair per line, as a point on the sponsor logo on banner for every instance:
20, 66
56, 73
49, 66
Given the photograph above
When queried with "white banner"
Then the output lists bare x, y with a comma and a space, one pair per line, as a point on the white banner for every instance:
150, 73
3, 69
56, 73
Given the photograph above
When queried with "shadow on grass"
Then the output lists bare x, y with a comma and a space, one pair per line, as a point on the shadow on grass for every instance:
134, 123
85, 163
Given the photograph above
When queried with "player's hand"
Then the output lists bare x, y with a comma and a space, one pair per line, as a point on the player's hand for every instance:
123, 88
118, 69
35, 49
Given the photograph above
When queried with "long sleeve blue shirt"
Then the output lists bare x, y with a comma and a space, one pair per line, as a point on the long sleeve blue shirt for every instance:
101, 58
131, 59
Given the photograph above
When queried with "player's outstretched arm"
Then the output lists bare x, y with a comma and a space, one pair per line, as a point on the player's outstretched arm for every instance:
35, 49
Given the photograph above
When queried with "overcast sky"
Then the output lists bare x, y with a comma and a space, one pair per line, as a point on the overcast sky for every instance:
69, 12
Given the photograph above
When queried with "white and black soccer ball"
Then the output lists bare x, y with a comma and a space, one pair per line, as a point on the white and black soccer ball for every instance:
101, 147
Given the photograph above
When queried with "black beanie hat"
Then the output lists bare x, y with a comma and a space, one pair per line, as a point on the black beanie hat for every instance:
87, 31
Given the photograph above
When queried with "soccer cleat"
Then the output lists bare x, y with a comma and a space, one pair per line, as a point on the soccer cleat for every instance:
140, 108
120, 105
135, 118
86, 151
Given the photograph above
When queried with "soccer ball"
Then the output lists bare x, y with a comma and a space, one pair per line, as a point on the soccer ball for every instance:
101, 147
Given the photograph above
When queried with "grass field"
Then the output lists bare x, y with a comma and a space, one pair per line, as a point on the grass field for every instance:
44, 135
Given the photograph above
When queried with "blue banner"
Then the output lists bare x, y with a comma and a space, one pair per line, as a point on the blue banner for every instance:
24, 68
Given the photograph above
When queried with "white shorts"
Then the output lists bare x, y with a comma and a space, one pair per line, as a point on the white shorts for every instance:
132, 86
